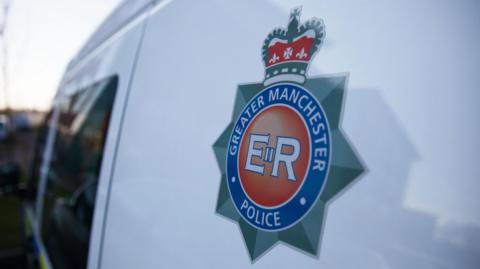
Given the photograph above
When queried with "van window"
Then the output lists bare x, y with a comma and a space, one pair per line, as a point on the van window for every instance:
73, 173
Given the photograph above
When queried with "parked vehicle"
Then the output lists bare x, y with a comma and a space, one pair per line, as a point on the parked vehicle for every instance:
4, 127
21, 122
136, 164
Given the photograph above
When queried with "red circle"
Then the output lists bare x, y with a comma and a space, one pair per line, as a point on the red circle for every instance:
267, 190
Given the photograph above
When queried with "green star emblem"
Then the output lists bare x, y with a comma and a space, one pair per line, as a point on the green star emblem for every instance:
345, 167
286, 53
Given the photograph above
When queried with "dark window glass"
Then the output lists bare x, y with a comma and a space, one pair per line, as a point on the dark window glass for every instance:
73, 174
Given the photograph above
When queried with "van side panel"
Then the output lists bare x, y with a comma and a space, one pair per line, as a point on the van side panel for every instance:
194, 55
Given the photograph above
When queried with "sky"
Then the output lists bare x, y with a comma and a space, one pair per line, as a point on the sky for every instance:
42, 37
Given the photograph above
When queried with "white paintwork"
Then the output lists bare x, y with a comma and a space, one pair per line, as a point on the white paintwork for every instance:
411, 112
166, 179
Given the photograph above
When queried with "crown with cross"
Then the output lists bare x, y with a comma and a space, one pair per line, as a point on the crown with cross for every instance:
287, 52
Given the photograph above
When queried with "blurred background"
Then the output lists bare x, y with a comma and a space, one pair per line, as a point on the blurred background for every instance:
37, 40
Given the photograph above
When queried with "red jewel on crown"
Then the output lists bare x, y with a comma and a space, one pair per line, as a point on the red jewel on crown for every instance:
287, 52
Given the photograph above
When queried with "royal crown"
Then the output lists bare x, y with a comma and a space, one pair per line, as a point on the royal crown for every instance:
287, 52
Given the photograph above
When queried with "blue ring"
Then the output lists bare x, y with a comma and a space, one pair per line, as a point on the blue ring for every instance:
294, 210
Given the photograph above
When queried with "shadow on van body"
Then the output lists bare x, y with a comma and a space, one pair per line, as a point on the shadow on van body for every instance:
388, 234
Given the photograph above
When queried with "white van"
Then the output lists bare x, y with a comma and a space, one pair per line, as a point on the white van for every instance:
263, 134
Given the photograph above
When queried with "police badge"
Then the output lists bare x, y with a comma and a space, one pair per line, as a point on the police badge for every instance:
284, 156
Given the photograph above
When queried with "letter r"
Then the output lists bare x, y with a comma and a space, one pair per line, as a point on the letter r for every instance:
288, 159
